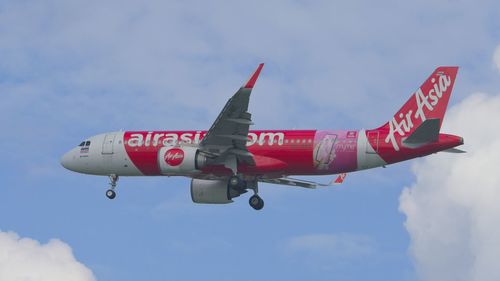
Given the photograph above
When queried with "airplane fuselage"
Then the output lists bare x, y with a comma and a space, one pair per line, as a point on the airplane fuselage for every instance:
276, 152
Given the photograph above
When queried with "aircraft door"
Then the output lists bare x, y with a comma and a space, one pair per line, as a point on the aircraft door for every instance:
108, 143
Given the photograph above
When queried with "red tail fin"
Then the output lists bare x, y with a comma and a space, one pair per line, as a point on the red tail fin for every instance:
428, 102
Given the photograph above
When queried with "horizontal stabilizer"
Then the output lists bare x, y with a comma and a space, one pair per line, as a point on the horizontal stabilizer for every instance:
454, 150
426, 133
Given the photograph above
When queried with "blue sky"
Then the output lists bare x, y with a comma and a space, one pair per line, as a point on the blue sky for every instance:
72, 69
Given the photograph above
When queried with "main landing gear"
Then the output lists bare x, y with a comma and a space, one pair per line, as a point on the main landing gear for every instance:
240, 186
110, 193
256, 202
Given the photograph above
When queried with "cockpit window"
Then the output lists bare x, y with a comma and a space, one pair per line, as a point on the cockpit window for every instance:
84, 143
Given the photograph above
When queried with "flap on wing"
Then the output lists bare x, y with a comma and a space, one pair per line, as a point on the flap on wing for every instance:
291, 182
304, 183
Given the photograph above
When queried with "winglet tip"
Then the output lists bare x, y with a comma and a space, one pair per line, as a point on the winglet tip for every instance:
251, 82
340, 178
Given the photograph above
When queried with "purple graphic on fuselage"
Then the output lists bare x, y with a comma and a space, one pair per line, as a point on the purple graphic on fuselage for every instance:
335, 151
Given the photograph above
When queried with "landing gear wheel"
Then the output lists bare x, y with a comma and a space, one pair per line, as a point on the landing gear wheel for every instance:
111, 194
234, 182
256, 202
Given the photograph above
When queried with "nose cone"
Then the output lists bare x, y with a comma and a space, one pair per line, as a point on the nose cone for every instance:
67, 161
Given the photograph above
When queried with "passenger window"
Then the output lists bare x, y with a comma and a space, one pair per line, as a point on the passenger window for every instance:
88, 143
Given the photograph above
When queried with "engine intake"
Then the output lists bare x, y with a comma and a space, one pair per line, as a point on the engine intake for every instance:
210, 191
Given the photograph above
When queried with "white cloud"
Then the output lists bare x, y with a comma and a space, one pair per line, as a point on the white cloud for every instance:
453, 207
25, 259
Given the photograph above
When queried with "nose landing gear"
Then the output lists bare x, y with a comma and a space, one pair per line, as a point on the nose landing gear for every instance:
110, 193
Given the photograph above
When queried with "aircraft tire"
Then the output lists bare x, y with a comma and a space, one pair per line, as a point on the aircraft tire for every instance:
111, 194
256, 202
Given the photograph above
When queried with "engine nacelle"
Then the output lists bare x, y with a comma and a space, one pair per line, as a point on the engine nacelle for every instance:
210, 191
180, 160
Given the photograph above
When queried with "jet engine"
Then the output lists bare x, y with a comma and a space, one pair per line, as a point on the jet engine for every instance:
213, 191
209, 191
180, 160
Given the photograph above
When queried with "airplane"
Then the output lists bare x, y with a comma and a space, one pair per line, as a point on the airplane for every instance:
229, 159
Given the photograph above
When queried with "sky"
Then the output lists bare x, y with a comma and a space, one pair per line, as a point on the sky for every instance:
73, 69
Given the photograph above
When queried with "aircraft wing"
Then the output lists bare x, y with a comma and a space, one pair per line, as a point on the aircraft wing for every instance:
303, 183
225, 141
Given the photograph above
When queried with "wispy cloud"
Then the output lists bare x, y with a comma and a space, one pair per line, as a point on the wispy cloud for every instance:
129, 65
327, 251
496, 58
27, 259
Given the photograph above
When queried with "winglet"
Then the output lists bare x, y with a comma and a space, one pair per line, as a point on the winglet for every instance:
340, 178
251, 82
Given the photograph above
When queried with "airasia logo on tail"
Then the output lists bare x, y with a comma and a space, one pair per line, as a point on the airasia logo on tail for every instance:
424, 103
174, 156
